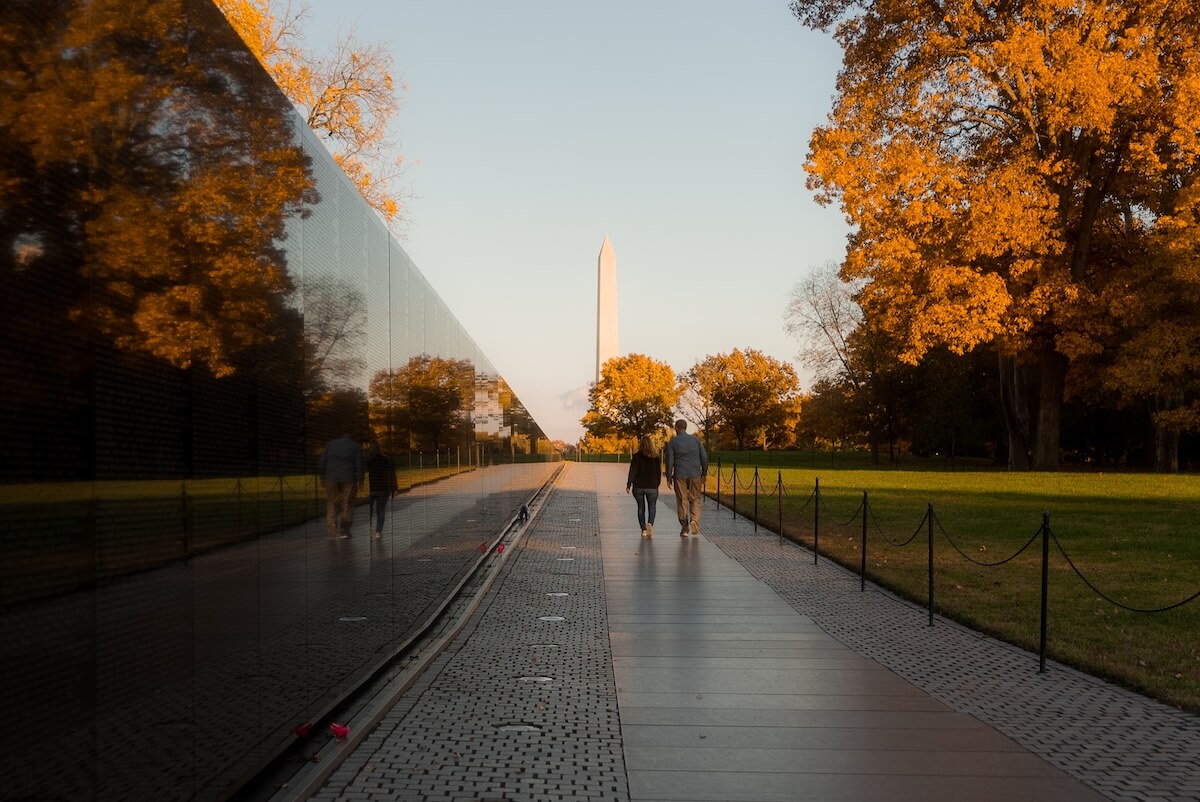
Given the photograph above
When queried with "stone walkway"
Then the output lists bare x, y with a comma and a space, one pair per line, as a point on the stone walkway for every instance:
728, 667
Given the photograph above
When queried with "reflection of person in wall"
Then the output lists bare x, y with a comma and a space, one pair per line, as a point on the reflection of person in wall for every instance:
645, 475
341, 471
687, 465
382, 476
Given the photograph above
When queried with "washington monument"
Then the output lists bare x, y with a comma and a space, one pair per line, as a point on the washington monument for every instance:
606, 306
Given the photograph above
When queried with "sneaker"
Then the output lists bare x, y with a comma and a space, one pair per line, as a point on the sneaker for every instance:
649, 530
695, 527
644, 533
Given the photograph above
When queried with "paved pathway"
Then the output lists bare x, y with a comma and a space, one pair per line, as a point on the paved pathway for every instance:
727, 667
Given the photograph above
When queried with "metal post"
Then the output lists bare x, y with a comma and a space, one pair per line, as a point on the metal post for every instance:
1045, 589
779, 503
862, 572
735, 490
756, 499
929, 525
816, 519
718, 482
186, 510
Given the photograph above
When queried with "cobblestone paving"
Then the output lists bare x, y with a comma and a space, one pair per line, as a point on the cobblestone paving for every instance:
549, 681
1126, 746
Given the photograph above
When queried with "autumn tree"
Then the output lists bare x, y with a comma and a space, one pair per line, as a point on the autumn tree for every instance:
1155, 360
847, 351
995, 158
696, 401
147, 174
347, 96
636, 396
756, 397
424, 404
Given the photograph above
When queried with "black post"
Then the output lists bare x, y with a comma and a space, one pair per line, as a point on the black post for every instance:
756, 499
862, 573
1045, 589
779, 503
718, 482
186, 510
929, 523
816, 518
735, 490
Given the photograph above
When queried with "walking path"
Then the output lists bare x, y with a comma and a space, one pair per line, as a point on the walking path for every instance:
727, 667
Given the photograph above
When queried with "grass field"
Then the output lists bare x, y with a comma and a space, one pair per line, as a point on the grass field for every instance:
1136, 537
57, 537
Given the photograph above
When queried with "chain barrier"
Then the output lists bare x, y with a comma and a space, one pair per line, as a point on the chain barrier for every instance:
849, 521
927, 522
911, 537
971, 559
747, 486
1108, 598
804, 506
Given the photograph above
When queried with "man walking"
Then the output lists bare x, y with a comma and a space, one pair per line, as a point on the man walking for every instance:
341, 472
687, 465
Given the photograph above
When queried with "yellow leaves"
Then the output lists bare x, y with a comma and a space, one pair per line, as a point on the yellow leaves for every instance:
636, 395
963, 149
348, 96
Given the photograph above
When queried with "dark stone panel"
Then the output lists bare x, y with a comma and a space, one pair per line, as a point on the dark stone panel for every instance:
193, 301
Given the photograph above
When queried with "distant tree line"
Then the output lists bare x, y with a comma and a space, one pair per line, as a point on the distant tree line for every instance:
1021, 183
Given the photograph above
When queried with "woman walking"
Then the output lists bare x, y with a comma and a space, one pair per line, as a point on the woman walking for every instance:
645, 474
382, 474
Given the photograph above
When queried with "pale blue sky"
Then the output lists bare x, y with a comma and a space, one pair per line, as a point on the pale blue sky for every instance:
678, 128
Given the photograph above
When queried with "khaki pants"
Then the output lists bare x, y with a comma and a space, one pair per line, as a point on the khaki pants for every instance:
339, 506
689, 492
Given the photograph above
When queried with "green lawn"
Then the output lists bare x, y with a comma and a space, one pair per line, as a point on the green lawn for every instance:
57, 537
1136, 537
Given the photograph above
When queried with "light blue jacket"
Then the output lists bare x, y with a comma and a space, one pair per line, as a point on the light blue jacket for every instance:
686, 457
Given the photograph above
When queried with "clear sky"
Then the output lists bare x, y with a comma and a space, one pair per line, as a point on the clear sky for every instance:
678, 128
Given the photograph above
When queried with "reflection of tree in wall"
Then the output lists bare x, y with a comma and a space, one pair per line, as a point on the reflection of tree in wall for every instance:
424, 405
147, 169
335, 333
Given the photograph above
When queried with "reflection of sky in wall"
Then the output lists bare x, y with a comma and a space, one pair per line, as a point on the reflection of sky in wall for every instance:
677, 127
343, 258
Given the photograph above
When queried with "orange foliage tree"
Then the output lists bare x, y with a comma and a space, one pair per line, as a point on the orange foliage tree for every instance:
147, 175
636, 396
348, 96
999, 160
755, 397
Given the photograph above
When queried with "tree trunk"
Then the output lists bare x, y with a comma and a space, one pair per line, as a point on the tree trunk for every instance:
1166, 442
1016, 413
1053, 373
1166, 450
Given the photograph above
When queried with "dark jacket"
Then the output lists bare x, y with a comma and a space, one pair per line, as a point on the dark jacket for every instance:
382, 474
644, 471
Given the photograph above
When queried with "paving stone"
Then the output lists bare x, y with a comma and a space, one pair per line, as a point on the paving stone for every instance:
1117, 741
441, 743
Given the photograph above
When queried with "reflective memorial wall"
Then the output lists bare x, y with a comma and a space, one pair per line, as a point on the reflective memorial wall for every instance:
193, 301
